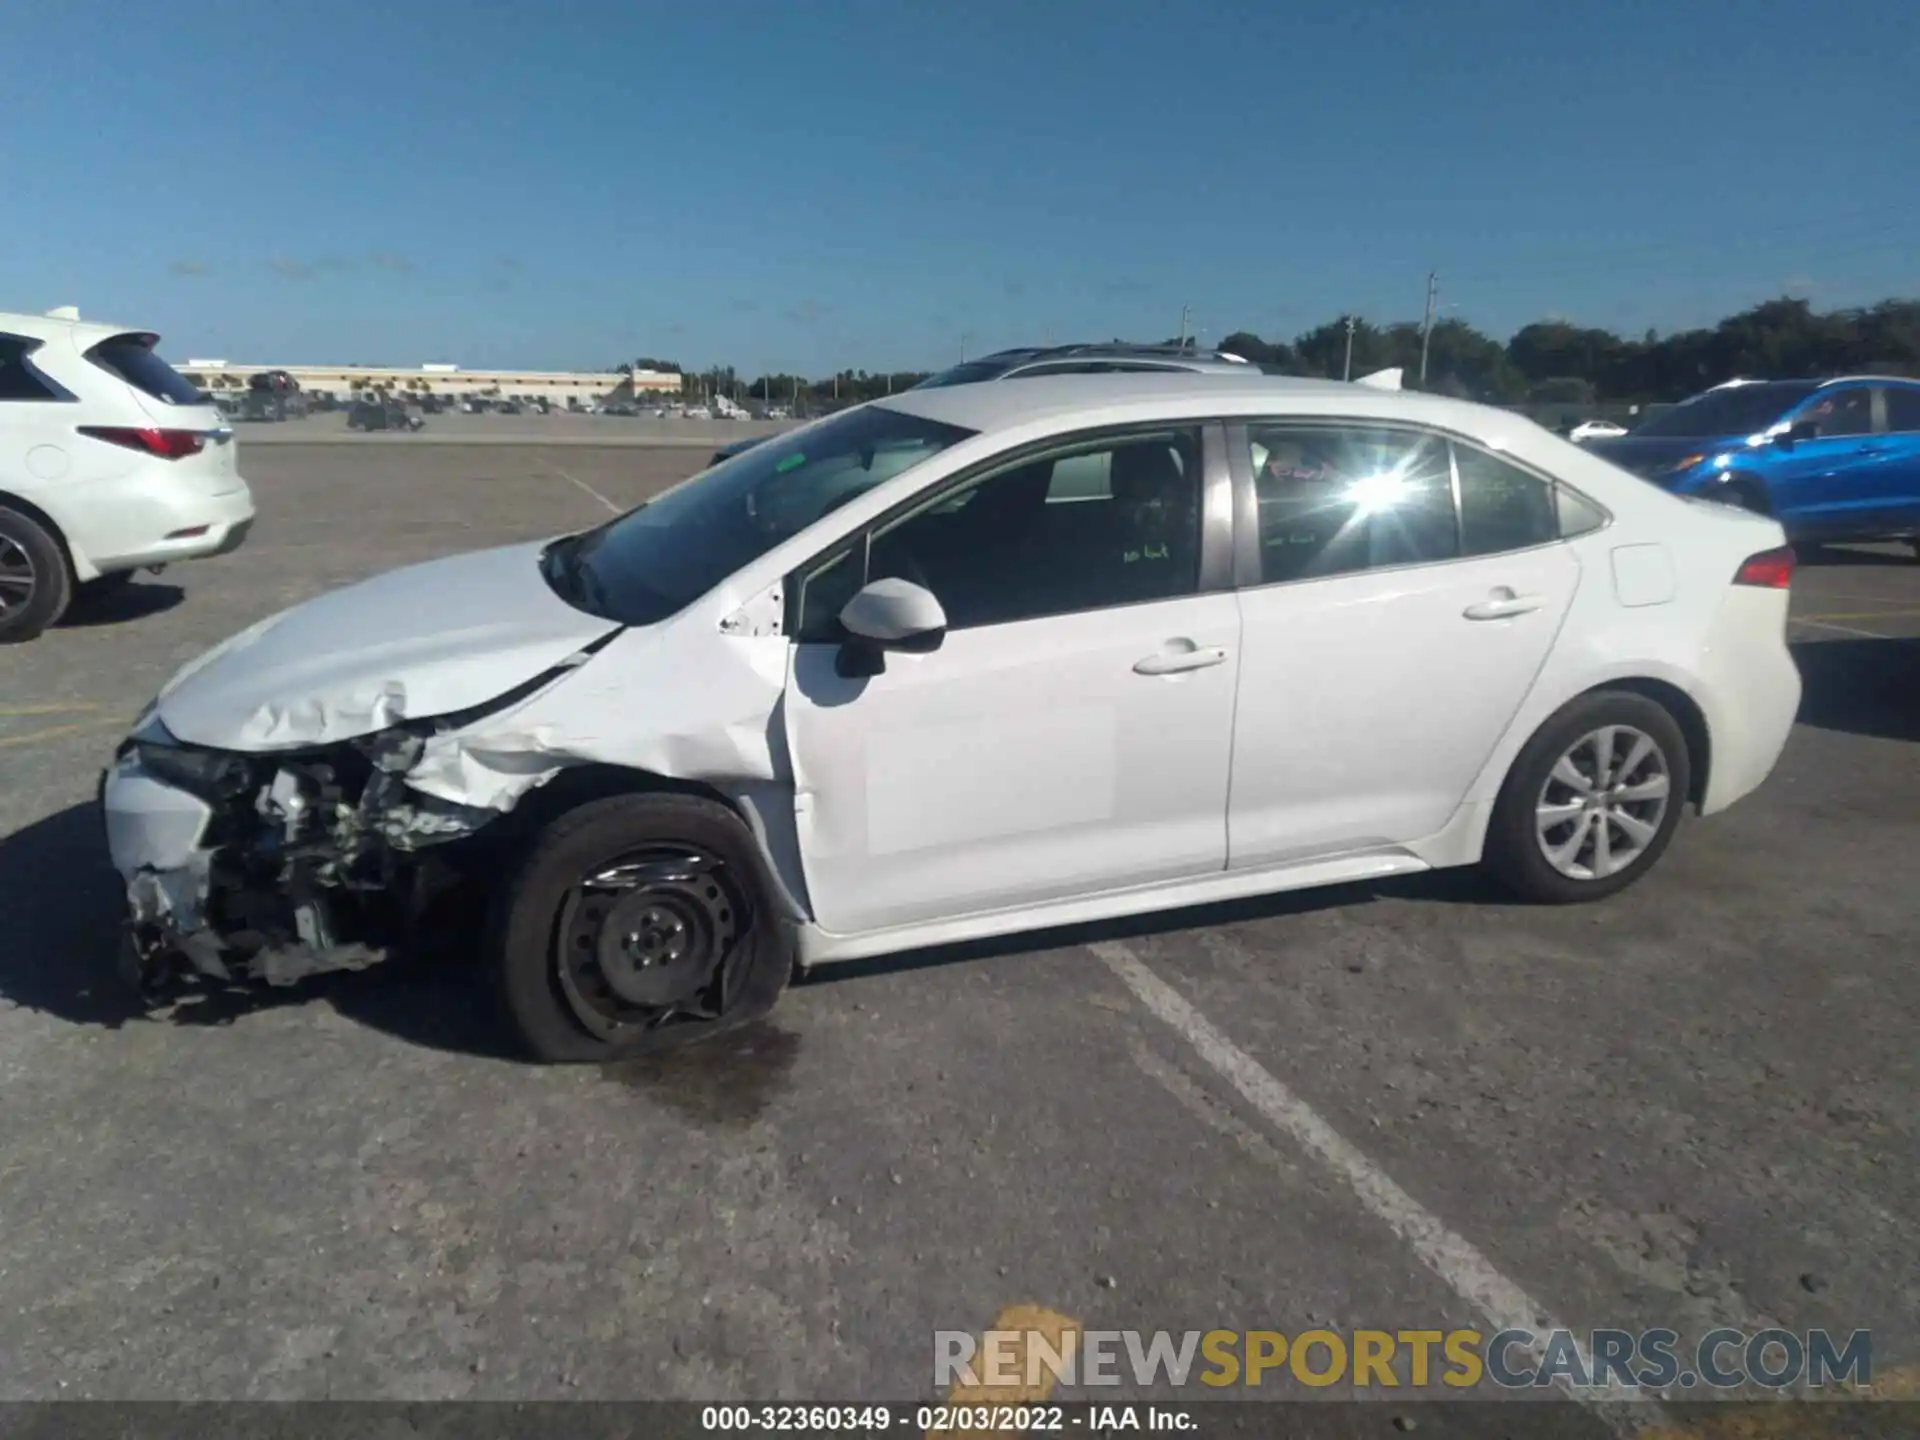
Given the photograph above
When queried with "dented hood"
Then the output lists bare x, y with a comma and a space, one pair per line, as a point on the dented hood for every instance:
422, 641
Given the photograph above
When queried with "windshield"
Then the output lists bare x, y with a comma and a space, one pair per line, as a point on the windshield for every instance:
652, 562
967, 373
1741, 410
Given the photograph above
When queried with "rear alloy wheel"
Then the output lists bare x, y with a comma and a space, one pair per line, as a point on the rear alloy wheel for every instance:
1592, 800
35, 584
636, 924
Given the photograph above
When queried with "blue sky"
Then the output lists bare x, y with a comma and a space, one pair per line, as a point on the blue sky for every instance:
874, 183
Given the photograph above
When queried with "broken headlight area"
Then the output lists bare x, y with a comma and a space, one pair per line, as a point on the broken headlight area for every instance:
313, 861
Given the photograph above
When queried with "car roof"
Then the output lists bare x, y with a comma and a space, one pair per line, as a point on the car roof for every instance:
46, 327
989, 405
1024, 355
1818, 384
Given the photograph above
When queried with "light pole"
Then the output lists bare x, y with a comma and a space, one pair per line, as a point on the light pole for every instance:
1347, 373
1426, 328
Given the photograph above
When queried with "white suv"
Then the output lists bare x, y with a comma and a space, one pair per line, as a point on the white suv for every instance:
110, 462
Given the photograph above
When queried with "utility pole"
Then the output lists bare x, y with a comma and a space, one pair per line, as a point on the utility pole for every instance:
1185, 310
1426, 328
964, 335
1347, 373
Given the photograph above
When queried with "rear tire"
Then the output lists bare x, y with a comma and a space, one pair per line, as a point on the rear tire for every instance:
36, 584
593, 971
1592, 800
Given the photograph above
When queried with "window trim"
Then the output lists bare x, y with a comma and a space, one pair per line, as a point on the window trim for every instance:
1247, 566
56, 392
1217, 529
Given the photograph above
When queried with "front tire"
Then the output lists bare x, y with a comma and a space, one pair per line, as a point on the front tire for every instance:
1592, 800
635, 924
36, 584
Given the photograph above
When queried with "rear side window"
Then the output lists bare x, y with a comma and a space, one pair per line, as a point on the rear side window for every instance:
1337, 499
134, 360
20, 378
1903, 408
1578, 515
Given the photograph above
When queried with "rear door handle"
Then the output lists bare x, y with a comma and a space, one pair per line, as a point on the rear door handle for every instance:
1177, 662
1504, 606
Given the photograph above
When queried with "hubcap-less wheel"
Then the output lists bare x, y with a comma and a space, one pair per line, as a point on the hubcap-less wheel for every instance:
17, 582
1603, 803
645, 938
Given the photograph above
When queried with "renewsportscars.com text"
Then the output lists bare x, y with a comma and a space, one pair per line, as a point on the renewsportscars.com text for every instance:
1390, 1359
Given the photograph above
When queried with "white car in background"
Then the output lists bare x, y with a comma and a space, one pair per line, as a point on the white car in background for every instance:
1595, 430
110, 462
958, 663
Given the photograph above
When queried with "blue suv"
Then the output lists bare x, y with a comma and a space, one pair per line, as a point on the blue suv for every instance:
1829, 459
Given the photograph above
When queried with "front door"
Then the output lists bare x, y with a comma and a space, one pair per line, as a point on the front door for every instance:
1070, 735
1388, 643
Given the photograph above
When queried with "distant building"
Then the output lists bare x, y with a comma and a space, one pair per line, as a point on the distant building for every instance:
344, 381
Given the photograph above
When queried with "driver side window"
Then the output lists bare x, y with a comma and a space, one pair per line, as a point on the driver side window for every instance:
1113, 521
1840, 412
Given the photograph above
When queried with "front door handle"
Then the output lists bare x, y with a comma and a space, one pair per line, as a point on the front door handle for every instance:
1179, 661
1504, 605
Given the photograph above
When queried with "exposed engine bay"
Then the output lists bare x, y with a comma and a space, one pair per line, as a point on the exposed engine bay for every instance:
312, 861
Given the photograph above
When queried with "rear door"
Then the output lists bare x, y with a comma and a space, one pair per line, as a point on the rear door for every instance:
1900, 463
36, 417
1390, 635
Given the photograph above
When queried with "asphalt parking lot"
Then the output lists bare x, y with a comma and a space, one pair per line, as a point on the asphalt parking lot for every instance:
1691, 1106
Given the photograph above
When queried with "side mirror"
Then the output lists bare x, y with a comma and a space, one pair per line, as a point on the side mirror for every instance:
890, 614
1796, 432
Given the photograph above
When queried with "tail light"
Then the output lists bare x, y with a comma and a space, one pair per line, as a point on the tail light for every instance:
1770, 569
167, 444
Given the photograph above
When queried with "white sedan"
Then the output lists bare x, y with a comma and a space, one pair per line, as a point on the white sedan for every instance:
1595, 430
960, 663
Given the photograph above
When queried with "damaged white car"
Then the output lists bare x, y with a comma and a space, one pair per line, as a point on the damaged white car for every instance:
959, 663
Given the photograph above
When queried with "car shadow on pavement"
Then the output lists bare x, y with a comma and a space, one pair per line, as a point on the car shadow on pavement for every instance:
60, 937
116, 607
1861, 687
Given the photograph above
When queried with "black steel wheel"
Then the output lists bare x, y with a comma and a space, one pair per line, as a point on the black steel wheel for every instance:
637, 923
644, 940
35, 584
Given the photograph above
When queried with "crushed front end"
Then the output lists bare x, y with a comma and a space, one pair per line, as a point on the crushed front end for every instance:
272, 867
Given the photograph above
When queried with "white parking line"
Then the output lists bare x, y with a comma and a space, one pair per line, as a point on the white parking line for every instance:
580, 484
1843, 629
1624, 1409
